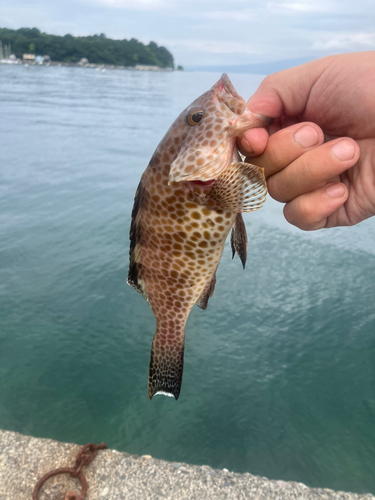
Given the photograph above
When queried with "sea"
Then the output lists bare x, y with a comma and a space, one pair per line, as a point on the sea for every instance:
279, 376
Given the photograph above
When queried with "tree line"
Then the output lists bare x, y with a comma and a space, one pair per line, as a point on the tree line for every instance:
98, 49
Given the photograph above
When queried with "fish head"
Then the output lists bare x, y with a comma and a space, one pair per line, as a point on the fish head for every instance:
208, 129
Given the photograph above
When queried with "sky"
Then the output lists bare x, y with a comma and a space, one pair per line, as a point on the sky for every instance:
210, 32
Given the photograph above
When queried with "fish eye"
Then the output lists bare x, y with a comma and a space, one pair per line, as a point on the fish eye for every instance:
195, 118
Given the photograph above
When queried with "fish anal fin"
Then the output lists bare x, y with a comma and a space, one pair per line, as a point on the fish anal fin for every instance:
240, 188
166, 363
135, 268
208, 291
238, 239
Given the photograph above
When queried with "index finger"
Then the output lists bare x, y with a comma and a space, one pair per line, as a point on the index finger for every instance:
287, 92
287, 145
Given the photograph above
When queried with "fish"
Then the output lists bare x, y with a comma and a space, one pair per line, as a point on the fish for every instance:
192, 193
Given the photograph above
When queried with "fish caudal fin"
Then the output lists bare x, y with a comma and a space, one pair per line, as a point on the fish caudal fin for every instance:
238, 239
166, 366
240, 188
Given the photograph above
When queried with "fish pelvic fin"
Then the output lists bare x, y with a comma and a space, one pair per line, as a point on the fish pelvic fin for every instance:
135, 268
207, 293
241, 187
238, 239
166, 364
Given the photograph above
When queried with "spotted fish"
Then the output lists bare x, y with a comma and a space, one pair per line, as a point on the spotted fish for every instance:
189, 197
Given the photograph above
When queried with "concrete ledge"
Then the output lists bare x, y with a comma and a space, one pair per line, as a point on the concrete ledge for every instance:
119, 476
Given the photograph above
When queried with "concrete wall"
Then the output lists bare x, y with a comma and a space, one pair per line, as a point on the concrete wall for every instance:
119, 476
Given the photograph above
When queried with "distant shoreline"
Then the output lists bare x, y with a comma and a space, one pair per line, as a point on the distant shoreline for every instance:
138, 67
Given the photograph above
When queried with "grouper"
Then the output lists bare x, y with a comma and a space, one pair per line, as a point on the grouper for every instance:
190, 196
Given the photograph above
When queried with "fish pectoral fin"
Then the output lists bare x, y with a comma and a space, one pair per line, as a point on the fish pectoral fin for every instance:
208, 291
240, 188
166, 366
238, 239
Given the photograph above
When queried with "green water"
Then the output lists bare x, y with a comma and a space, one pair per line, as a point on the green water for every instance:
279, 375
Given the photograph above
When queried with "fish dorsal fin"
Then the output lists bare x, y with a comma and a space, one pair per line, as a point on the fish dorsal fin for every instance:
238, 239
208, 291
240, 188
134, 274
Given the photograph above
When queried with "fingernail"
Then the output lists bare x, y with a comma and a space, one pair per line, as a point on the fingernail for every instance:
344, 150
245, 144
335, 190
307, 136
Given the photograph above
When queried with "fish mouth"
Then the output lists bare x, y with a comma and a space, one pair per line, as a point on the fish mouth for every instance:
228, 95
243, 119
201, 187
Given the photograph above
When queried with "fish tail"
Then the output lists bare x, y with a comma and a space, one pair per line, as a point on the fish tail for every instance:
166, 363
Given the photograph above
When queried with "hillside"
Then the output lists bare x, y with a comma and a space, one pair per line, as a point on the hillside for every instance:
97, 49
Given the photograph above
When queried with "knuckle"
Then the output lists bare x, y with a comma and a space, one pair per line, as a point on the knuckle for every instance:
266, 82
273, 154
275, 189
299, 212
308, 167
291, 216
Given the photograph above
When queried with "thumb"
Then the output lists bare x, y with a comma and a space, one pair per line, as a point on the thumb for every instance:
287, 92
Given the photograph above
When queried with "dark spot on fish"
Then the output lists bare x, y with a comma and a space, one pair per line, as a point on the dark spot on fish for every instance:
190, 244
190, 205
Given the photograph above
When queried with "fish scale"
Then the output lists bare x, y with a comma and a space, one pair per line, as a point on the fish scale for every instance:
190, 196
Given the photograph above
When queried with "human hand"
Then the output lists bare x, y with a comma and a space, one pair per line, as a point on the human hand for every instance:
323, 170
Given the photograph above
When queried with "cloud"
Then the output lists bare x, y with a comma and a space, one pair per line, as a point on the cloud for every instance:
233, 15
345, 41
204, 32
134, 4
301, 6
211, 46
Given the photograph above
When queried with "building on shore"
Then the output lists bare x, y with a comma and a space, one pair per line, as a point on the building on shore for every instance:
28, 58
83, 62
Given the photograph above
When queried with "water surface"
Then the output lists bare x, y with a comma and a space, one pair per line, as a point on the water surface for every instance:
279, 373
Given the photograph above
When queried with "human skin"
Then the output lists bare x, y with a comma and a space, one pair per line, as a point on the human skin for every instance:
319, 154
